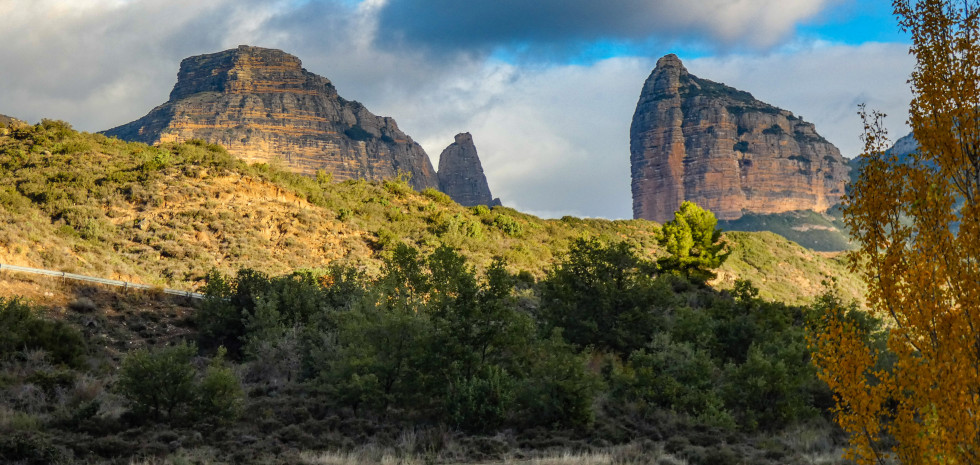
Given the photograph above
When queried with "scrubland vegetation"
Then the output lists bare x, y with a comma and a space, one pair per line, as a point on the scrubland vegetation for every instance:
608, 354
371, 323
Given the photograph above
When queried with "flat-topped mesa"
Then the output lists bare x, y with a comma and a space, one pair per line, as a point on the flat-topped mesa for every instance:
461, 174
702, 141
263, 106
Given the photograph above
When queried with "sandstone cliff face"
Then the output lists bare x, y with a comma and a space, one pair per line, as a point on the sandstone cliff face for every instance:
698, 140
461, 174
263, 106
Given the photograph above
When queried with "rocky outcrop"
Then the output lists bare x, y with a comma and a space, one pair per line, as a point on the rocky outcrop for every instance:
8, 120
263, 106
461, 174
702, 141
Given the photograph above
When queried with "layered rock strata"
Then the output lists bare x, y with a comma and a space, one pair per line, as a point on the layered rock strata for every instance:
263, 106
702, 141
461, 174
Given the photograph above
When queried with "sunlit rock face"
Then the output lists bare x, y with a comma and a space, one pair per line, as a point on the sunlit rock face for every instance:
264, 107
698, 140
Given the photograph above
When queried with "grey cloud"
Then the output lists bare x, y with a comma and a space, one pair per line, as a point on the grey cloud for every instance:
553, 138
99, 64
550, 25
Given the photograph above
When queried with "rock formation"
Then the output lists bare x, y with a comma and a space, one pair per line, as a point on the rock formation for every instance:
461, 174
262, 106
8, 120
698, 140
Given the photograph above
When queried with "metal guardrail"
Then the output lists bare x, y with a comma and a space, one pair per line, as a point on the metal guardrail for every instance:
108, 282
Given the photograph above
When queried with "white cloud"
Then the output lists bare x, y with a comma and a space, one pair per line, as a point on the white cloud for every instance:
554, 139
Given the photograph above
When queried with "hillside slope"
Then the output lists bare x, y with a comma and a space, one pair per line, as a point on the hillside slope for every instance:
167, 215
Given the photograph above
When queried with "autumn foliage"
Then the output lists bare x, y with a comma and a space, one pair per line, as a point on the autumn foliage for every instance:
916, 220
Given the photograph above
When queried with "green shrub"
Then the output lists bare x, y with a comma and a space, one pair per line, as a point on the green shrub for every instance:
558, 391
457, 225
678, 377
358, 133
483, 402
32, 448
160, 383
508, 225
21, 328
437, 196
220, 396
601, 296
480, 210
773, 130
399, 186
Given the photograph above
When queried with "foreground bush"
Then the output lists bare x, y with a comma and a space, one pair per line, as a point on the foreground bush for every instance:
163, 385
22, 328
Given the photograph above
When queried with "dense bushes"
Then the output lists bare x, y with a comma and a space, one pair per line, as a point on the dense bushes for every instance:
22, 328
432, 340
163, 384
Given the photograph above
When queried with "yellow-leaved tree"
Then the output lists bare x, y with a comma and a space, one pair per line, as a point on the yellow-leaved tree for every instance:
916, 221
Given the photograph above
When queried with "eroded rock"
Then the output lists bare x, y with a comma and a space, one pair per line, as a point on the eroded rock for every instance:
263, 106
702, 141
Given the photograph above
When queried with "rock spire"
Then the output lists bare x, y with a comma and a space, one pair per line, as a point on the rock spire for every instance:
461, 174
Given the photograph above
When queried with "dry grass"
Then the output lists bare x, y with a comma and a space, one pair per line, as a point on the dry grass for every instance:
630, 454
356, 458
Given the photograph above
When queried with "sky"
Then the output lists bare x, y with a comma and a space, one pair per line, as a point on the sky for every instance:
547, 88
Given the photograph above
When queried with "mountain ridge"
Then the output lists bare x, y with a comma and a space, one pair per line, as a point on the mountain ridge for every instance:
264, 107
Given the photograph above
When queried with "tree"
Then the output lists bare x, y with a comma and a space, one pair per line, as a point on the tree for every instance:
163, 384
916, 221
692, 242
160, 382
600, 294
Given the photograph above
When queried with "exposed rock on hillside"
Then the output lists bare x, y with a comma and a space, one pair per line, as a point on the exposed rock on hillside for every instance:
262, 106
905, 145
7, 120
461, 174
698, 140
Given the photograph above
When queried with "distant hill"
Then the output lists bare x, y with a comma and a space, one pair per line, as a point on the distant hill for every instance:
824, 232
167, 215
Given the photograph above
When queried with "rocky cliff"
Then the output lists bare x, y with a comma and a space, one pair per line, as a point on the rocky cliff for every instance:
461, 174
698, 140
263, 106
